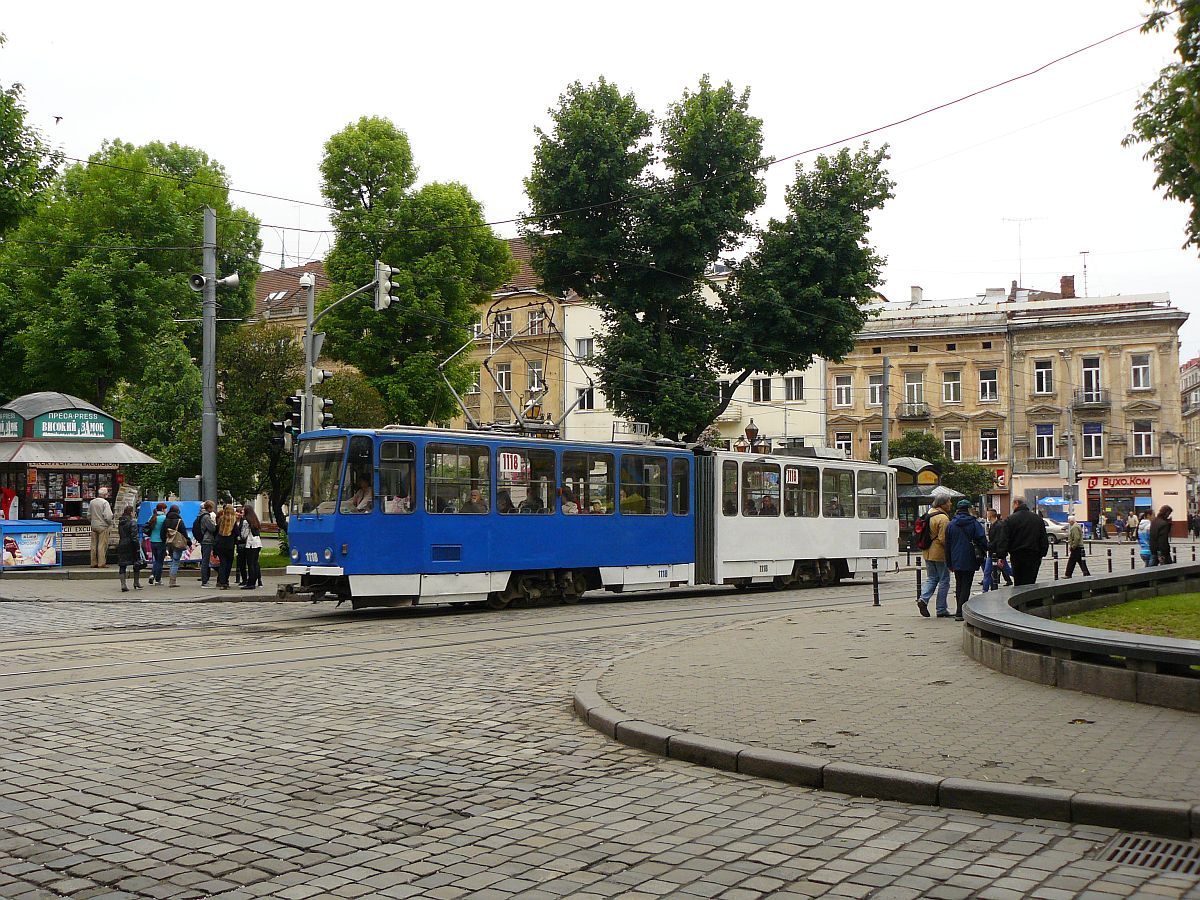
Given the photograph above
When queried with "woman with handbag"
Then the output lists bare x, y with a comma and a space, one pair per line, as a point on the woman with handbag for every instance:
226, 541
251, 528
129, 549
177, 539
158, 546
241, 531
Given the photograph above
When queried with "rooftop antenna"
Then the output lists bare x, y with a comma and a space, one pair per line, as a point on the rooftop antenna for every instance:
1084, 254
1020, 251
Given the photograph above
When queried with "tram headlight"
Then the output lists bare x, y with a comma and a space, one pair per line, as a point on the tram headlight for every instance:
328, 554
295, 554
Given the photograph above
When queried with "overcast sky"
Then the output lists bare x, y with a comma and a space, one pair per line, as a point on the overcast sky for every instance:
261, 86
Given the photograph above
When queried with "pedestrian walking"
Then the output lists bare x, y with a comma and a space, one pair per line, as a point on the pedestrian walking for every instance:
1131, 527
240, 543
1075, 547
158, 547
1194, 523
129, 549
1160, 537
251, 535
1102, 526
966, 549
995, 564
177, 540
225, 543
1025, 542
1144, 540
937, 573
100, 517
204, 530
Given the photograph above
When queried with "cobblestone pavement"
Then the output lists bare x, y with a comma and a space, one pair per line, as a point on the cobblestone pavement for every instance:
52, 589
885, 687
458, 770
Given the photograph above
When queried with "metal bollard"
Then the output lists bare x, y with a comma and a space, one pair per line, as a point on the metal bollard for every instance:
1193, 552
1110, 560
1174, 554
1132, 559
918, 571
1056, 567
875, 581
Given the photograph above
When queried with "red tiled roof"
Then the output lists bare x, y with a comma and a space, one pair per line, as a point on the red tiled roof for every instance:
285, 282
525, 279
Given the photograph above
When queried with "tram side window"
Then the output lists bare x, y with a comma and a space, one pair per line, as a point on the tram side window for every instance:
315, 487
872, 495
838, 487
457, 478
760, 489
590, 478
679, 487
358, 486
643, 485
729, 487
801, 491
524, 481
397, 476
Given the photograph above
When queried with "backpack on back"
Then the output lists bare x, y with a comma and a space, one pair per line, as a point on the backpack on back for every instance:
923, 532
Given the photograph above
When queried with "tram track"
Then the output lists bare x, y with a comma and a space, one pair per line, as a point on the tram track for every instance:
101, 672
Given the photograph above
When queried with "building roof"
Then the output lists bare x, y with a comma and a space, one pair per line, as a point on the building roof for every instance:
277, 292
525, 279
30, 406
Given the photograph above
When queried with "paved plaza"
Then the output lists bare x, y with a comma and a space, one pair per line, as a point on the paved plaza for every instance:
293, 751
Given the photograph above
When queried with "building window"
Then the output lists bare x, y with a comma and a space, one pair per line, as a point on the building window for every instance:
844, 441
877, 350
474, 389
952, 347
1091, 380
477, 330
912, 348
585, 348
1043, 376
726, 388
952, 387
504, 376
987, 345
989, 444
793, 387
952, 441
914, 387
1143, 438
1043, 442
874, 390
843, 390
587, 398
504, 325
537, 321
989, 386
536, 382
1093, 440
874, 439
1141, 372
762, 389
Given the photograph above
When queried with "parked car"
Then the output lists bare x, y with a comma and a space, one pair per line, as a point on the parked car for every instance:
1056, 531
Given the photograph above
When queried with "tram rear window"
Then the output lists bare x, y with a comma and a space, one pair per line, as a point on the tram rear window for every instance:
315, 486
760, 489
838, 487
643, 485
801, 491
524, 479
457, 478
872, 495
590, 477
397, 476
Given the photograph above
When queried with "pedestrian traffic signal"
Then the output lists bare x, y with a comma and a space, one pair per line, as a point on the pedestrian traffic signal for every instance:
322, 413
385, 286
320, 375
295, 419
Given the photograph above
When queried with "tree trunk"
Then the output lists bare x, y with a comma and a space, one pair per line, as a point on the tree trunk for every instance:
725, 401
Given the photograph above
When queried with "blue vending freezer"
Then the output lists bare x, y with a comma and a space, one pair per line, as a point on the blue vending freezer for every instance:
31, 544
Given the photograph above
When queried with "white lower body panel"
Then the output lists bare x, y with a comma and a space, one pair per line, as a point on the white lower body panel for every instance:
646, 578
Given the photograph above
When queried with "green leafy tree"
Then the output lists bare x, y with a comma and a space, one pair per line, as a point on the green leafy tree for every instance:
158, 410
95, 276
1168, 113
628, 212
259, 366
449, 262
27, 164
356, 403
970, 479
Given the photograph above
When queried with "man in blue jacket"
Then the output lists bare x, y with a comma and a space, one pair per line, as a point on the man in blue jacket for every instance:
966, 548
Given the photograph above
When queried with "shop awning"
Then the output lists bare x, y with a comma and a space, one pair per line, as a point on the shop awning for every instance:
72, 453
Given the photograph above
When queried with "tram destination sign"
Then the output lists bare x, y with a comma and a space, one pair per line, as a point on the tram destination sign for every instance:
74, 424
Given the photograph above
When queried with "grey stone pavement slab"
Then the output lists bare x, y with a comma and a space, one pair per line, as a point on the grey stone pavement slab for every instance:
461, 771
885, 687
108, 589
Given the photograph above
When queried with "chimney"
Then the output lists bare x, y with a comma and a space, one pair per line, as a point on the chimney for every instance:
918, 293
1066, 287
1013, 293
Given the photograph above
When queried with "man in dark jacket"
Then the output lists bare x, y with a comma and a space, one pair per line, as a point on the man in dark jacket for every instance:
1160, 538
1025, 542
966, 546
995, 565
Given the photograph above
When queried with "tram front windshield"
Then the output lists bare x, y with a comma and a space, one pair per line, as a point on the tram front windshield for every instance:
318, 471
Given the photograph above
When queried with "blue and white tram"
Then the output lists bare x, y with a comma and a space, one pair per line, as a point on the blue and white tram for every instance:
402, 515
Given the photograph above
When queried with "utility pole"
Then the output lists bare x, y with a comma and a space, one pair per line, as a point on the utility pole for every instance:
883, 397
312, 353
208, 362
1071, 484
1020, 248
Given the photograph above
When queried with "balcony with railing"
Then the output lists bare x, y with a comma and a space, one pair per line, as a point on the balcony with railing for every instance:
1042, 465
1143, 462
1091, 399
915, 410
732, 413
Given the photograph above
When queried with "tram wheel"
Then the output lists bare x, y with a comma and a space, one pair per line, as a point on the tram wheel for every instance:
496, 600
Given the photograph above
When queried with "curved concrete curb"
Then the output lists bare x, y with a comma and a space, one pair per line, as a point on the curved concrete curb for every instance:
1169, 818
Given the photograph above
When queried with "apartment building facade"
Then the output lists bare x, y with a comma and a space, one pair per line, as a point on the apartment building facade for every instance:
1189, 398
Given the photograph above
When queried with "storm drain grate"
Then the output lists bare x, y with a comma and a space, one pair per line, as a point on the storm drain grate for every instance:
1177, 857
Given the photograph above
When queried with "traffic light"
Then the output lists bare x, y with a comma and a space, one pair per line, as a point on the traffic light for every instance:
322, 412
384, 285
320, 375
281, 436
295, 420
